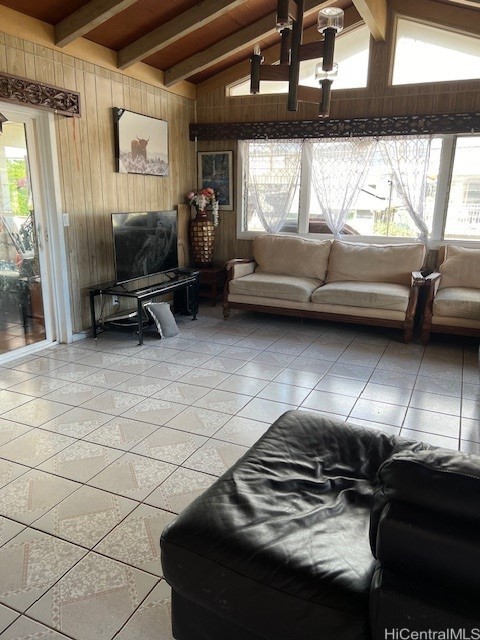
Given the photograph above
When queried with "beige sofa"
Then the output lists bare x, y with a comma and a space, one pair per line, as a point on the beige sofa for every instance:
342, 281
453, 300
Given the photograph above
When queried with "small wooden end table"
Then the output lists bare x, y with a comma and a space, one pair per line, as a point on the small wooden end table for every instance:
212, 280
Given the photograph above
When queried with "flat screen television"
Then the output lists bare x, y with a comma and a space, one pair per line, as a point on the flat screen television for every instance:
145, 243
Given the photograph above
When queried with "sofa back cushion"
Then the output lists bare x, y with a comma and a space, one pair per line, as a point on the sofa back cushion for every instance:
287, 255
461, 268
374, 262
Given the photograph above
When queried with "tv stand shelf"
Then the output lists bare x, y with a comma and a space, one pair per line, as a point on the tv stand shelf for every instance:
178, 279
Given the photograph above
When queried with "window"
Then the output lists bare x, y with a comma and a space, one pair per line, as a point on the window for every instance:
433, 54
378, 209
351, 54
463, 214
271, 196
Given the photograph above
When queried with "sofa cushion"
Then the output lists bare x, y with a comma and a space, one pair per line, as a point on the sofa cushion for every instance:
457, 302
372, 295
374, 262
267, 285
292, 256
461, 268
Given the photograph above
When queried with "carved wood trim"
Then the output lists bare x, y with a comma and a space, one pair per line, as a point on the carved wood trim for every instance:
39, 95
339, 128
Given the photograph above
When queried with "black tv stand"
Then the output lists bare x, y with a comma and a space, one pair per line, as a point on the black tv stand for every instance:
178, 279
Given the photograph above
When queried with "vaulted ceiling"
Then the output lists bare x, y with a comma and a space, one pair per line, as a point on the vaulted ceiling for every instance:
187, 39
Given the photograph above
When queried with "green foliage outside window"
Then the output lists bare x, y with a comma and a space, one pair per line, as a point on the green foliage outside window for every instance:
18, 187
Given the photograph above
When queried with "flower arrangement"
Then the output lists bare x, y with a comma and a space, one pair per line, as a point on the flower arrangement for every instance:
202, 199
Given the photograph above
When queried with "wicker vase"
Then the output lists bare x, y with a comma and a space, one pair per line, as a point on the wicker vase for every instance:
202, 235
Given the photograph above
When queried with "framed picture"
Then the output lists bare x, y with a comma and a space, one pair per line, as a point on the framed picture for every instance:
215, 169
141, 143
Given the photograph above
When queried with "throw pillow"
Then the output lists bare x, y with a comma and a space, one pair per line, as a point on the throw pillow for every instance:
163, 318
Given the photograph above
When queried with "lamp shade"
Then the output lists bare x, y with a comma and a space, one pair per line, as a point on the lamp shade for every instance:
321, 74
330, 18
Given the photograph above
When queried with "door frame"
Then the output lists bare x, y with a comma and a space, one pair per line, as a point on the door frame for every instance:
45, 178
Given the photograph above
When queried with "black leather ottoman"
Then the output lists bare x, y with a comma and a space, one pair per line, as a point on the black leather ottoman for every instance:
278, 548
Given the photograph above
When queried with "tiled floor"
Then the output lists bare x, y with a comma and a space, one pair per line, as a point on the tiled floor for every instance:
102, 443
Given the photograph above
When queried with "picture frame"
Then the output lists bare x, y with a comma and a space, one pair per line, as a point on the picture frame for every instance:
141, 143
215, 169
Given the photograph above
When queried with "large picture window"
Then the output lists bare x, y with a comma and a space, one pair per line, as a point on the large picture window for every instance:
362, 188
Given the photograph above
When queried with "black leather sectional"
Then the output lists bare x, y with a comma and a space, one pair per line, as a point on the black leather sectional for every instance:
325, 530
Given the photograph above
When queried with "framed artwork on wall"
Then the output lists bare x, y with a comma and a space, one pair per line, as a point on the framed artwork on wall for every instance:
215, 169
141, 143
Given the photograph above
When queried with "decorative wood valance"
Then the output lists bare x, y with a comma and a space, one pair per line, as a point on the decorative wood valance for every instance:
37, 94
339, 128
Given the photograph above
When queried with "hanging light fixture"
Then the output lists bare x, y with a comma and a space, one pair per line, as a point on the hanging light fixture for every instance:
292, 52
2, 120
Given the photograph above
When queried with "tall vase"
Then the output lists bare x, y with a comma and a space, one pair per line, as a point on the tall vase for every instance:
202, 236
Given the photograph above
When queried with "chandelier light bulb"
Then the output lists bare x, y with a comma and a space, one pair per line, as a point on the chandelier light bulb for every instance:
330, 18
321, 74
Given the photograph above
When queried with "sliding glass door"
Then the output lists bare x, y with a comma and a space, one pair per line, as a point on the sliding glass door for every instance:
22, 241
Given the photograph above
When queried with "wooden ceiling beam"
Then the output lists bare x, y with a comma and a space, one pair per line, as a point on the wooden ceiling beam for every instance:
374, 13
246, 37
271, 55
436, 13
181, 26
85, 19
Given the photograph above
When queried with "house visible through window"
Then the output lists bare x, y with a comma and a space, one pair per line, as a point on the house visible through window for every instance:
463, 216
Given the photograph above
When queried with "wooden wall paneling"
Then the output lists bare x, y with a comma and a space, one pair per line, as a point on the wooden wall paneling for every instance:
15, 59
106, 169
44, 69
3, 52
83, 202
91, 151
30, 65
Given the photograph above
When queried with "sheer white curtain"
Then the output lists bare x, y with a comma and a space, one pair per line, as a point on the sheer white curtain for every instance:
272, 171
409, 158
339, 167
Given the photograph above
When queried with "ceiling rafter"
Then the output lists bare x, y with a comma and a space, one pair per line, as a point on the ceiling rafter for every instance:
375, 13
85, 19
227, 47
271, 54
184, 24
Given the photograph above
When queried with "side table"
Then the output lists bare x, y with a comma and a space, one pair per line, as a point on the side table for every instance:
212, 280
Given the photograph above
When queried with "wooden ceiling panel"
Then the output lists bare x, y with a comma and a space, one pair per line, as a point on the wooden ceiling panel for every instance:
136, 21
210, 34
51, 11
124, 27
234, 59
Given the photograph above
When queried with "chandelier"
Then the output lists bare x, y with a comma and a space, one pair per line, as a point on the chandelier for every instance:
292, 52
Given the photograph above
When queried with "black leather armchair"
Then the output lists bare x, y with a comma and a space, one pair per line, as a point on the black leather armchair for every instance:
279, 548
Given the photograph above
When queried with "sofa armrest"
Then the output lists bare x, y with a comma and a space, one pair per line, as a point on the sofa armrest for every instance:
418, 278
239, 267
432, 281
417, 281
424, 533
438, 481
236, 268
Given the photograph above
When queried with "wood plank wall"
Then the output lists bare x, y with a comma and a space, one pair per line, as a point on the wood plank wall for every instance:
377, 99
91, 190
